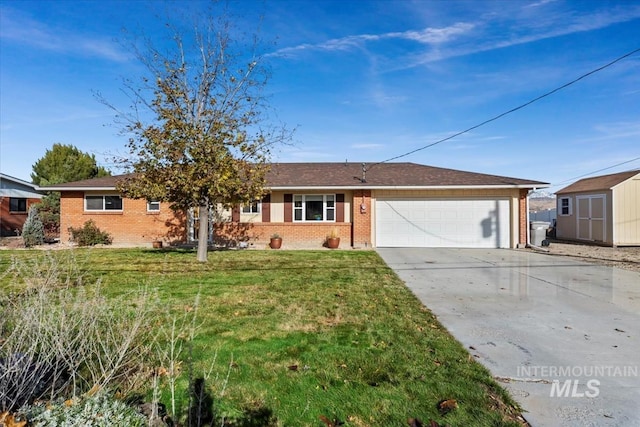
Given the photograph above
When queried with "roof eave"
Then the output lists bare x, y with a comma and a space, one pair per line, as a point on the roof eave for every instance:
408, 187
343, 187
54, 188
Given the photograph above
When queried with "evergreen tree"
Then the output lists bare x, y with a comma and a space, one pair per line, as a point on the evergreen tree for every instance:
33, 229
63, 163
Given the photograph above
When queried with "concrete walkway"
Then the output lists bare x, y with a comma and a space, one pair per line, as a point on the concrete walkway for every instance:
562, 336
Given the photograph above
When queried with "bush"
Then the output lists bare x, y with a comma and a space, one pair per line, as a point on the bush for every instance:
100, 411
58, 340
61, 337
49, 210
33, 229
90, 235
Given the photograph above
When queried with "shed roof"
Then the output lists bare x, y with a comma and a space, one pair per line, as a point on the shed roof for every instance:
598, 183
351, 176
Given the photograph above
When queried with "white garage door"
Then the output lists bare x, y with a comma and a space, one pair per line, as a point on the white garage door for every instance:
447, 223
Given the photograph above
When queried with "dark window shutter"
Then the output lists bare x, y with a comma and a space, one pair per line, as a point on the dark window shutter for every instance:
288, 208
339, 207
235, 214
266, 208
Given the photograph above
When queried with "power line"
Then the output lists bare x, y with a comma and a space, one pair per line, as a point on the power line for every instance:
510, 111
591, 173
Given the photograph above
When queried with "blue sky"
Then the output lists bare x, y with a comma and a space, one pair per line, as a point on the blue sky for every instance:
362, 81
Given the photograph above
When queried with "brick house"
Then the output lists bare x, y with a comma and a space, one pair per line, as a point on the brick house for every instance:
389, 205
16, 196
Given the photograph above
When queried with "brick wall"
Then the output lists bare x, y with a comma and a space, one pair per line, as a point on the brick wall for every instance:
133, 225
522, 215
12, 221
294, 234
362, 227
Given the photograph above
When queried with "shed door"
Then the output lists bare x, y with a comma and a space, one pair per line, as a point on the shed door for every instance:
454, 223
591, 217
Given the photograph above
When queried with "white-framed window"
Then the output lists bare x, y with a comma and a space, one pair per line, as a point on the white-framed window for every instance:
153, 206
564, 206
252, 208
314, 207
102, 203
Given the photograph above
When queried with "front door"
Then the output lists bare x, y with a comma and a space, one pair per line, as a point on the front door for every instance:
591, 217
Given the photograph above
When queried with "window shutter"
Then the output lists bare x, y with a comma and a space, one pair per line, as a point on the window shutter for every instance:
235, 213
339, 207
288, 208
266, 208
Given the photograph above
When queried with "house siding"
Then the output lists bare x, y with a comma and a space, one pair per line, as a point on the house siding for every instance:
625, 215
133, 225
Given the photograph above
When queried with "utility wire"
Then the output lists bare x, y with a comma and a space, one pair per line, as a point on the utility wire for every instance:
509, 111
591, 173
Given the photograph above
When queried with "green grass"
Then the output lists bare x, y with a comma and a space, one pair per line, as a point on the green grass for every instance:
366, 351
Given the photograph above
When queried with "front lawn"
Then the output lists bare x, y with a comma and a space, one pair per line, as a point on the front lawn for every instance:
293, 337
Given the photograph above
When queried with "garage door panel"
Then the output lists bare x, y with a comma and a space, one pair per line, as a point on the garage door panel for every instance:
442, 223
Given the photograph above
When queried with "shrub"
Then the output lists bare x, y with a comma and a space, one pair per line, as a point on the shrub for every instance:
59, 340
89, 235
33, 229
49, 210
100, 410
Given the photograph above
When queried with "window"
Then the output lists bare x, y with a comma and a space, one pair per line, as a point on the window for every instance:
252, 208
153, 206
565, 206
17, 204
314, 207
102, 203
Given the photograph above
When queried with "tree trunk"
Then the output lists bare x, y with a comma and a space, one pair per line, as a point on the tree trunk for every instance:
203, 233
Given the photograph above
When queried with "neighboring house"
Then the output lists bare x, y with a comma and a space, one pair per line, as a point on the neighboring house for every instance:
603, 209
389, 205
16, 196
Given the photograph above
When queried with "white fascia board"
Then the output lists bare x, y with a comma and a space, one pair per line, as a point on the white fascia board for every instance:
54, 188
407, 187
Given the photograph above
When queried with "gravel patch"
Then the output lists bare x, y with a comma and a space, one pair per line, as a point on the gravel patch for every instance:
627, 258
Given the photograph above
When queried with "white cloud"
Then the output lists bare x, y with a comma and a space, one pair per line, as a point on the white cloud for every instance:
366, 146
23, 30
427, 36
527, 24
527, 31
617, 130
432, 36
540, 3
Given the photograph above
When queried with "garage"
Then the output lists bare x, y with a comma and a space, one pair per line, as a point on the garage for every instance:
446, 223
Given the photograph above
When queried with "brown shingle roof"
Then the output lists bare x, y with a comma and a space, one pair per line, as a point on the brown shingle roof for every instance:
349, 175
106, 182
603, 182
382, 175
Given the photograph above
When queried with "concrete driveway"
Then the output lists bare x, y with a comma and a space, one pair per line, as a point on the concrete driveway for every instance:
562, 336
